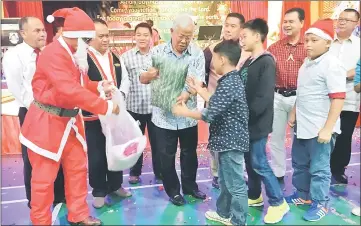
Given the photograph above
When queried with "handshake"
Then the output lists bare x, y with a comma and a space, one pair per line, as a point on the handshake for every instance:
195, 87
194, 84
109, 88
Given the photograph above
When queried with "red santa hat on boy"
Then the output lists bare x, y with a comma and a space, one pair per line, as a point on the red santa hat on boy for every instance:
323, 29
77, 23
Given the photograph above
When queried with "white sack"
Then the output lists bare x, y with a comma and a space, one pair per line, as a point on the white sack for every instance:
124, 140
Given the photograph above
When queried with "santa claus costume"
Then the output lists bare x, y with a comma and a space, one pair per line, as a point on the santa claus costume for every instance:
53, 130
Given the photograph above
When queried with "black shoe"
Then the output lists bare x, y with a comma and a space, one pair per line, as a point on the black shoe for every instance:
134, 179
178, 200
215, 182
340, 178
196, 194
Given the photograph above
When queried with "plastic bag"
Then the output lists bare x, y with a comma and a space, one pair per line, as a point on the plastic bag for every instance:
124, 140
169, 85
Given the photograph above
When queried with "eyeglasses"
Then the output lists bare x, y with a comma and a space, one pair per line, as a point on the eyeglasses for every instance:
86, 40
343, 20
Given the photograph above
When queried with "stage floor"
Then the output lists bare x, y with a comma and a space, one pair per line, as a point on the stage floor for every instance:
149, 203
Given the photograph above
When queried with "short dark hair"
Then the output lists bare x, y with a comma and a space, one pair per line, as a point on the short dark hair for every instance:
349, 10
230, 49
258, 25
238, 16
100, 21
299, 11
145, 25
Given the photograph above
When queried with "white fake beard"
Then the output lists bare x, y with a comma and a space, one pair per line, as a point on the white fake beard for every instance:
81, 56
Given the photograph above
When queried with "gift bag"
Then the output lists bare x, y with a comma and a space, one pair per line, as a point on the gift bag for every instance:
124, 140
171, 81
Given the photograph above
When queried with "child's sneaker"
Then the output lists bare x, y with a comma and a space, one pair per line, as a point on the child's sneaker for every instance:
296, 200
356, 211
316, 212
213, 216
256, 202
275, 213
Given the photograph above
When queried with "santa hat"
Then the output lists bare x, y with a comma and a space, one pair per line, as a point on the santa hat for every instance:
323, 29
77, 23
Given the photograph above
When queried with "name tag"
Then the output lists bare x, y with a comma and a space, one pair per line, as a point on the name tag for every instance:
116, 65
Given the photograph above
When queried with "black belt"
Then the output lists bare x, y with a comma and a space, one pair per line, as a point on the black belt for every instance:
286, 92
62, 112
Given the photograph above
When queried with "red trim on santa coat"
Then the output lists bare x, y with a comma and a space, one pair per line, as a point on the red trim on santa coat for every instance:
337, 95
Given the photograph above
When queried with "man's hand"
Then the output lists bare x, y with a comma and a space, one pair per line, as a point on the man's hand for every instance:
183, 97
180, 109
324, 136
116, 109
195, 85
292, 118
108, 87
148, 76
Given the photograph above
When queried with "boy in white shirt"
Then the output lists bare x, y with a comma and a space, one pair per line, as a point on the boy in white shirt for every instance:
320, 97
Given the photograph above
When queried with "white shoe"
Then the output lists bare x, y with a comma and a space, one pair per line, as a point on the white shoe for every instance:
213, 216
356, 211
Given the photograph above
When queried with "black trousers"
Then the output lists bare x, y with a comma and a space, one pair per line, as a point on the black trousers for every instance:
167, 143
145, 120
101, 179
59, 192
341, 154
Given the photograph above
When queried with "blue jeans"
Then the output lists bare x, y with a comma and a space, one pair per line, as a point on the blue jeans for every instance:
311, 169
233, 200
258, 171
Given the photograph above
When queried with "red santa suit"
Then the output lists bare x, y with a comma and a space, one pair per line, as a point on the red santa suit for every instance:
53, 129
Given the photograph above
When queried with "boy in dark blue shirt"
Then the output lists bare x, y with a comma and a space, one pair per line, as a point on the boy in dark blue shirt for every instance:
227, 114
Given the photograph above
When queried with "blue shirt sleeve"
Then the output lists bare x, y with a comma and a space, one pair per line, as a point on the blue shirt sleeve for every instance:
357, 75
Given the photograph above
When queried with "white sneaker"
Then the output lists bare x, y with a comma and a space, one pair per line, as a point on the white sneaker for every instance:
213, 216
356, 211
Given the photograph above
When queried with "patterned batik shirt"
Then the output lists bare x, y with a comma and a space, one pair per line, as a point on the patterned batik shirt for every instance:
227, 114
194, 57
138, 100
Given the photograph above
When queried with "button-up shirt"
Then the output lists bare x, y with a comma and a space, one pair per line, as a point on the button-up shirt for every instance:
348, 52
103, 60
227, 114
193, 56
319, 80
19, 65
139, 97
289, 59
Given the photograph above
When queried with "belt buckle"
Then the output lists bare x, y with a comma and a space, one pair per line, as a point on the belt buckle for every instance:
61, 112
287, 93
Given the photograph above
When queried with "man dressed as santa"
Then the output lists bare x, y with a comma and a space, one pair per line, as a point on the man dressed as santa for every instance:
53, 130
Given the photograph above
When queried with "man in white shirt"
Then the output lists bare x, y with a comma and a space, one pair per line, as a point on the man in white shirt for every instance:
19, 65
346, 47
103, 65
